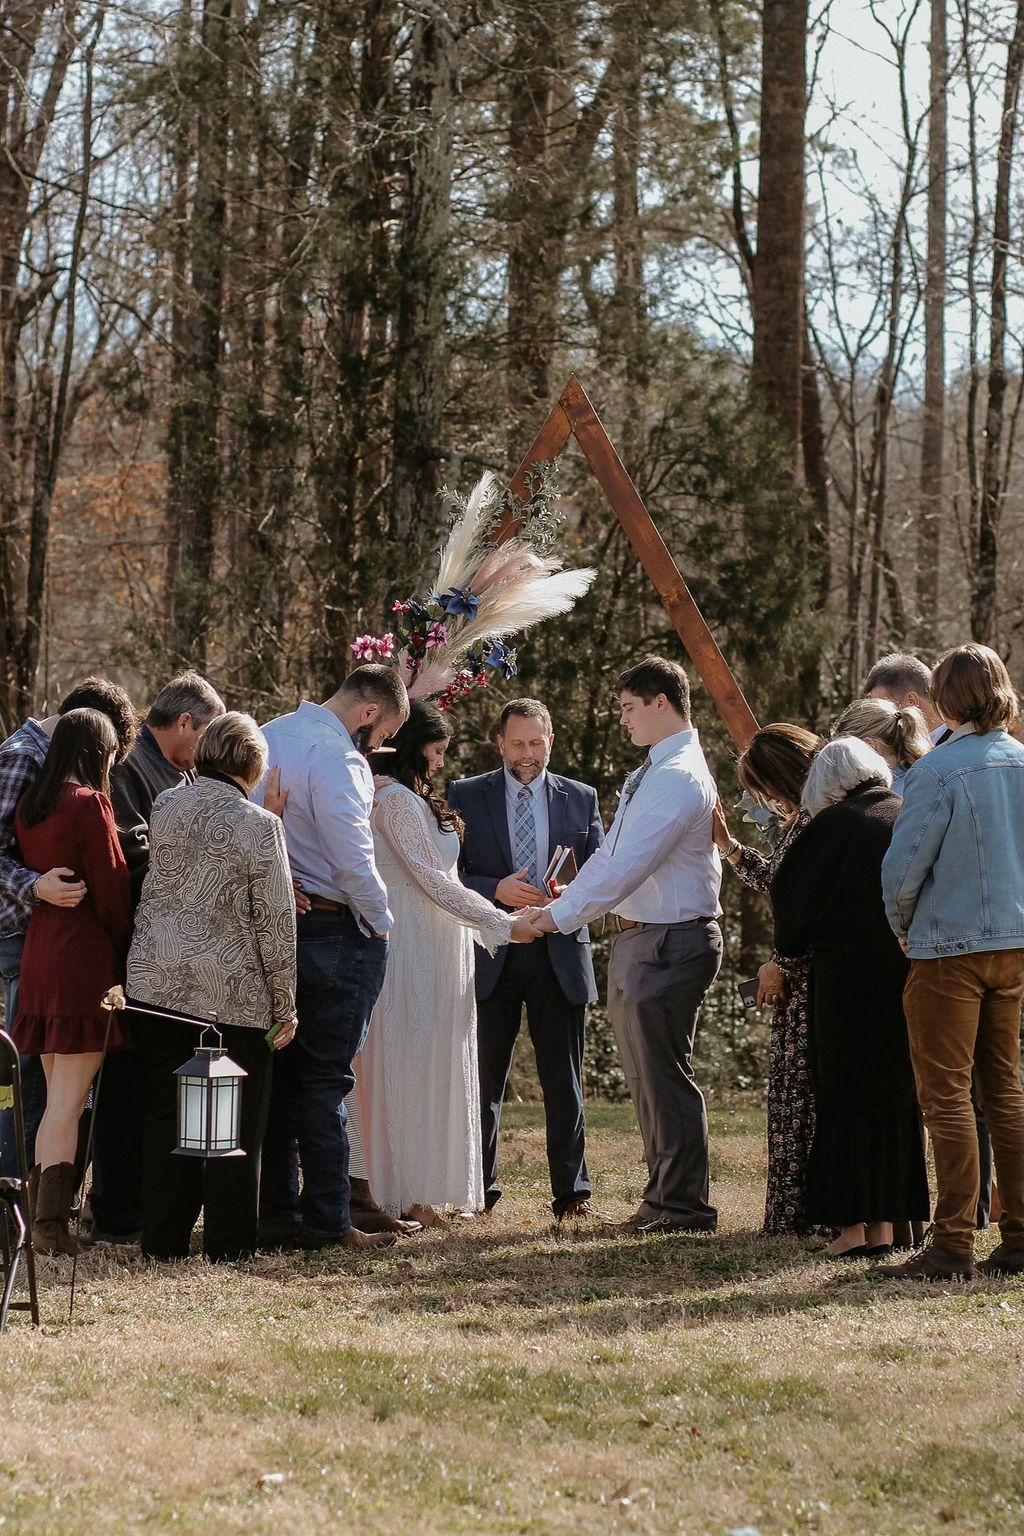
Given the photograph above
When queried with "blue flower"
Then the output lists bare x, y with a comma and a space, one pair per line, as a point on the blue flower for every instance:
503, 658
460, 602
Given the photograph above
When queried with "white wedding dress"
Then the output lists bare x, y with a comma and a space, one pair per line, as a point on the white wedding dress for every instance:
417, 1090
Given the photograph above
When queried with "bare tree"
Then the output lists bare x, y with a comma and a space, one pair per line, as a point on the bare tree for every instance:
983, 597
933, 423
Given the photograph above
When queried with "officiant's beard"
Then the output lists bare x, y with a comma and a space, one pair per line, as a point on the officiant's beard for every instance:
361, 740
526, 772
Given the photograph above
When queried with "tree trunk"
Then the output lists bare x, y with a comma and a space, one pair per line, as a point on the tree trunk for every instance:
24, 131
421, 354
200, 415
628, 310
776, 370
983, 598
933, 425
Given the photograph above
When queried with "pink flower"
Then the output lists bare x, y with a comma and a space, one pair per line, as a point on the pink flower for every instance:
400, 607
364, 648
385, 646
437, 635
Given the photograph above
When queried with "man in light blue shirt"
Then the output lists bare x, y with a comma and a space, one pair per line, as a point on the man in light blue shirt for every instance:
327, 786
659, 874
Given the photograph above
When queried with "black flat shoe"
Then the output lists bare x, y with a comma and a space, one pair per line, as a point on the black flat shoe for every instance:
879, 1251
860, 1252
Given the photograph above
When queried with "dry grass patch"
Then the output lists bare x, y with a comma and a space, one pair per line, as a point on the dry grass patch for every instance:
511, 1377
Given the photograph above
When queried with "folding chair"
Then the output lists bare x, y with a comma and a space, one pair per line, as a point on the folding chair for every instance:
15, 1212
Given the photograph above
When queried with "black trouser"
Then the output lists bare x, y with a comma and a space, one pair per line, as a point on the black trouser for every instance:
984, 1166
175, 1189
556, 1031
116, 1195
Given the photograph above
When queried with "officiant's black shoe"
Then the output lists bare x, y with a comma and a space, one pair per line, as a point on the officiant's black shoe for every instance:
582, 1210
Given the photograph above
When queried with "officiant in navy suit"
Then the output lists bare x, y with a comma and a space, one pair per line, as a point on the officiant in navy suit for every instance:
515, 818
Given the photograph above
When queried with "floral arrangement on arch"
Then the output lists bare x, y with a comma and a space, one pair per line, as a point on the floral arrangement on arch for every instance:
484, 593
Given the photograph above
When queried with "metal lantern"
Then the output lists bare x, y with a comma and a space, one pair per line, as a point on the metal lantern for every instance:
209, 1102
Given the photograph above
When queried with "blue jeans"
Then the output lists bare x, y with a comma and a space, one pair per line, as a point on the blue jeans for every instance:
341, 972
33, 1083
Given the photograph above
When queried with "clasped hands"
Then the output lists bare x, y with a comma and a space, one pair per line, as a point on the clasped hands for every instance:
529, 918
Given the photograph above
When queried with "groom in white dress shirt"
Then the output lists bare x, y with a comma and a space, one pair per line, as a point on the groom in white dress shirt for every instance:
659, 874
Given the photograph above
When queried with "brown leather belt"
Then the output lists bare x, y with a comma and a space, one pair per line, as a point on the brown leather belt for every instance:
623, 923
321, 904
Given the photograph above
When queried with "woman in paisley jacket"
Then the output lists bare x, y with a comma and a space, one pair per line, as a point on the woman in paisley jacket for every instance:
772, 770
214, 934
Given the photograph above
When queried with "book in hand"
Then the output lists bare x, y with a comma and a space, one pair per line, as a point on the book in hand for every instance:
561, 871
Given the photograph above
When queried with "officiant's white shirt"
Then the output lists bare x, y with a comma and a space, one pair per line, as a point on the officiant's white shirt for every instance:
658, 863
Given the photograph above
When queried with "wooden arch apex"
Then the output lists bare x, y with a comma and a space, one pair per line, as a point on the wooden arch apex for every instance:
574, 416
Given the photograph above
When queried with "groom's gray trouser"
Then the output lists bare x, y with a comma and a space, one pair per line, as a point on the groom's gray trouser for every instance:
657, 978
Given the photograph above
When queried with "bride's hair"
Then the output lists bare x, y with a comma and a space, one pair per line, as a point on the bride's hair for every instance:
408, 765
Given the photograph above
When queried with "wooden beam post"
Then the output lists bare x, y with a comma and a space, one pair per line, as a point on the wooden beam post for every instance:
574, 415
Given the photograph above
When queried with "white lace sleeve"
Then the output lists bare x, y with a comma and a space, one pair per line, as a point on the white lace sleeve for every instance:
399, 820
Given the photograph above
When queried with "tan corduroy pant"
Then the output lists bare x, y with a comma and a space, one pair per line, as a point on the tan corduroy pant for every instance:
963, 1019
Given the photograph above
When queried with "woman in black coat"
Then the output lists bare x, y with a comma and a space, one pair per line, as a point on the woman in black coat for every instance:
866, 1168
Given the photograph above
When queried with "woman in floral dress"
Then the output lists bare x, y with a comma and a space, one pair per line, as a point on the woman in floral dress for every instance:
772, 770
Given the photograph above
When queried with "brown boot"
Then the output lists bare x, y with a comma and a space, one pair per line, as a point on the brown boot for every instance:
33, 1192
932, 1263
1007, 1259
53, 1208
368, 1216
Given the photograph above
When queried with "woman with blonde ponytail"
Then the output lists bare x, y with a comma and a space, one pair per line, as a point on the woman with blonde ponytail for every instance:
900, 735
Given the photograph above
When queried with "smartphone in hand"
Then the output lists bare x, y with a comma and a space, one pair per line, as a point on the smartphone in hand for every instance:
748, 992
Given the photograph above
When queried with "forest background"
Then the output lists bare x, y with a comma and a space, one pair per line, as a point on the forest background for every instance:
272, 273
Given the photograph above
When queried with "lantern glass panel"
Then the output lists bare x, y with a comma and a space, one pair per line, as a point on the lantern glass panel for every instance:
224, 1114
192, 1113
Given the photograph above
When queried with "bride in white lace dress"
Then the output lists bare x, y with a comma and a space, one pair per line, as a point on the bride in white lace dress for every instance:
417, 1093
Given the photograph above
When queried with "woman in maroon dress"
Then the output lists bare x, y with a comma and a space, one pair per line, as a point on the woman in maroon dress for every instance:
72, 954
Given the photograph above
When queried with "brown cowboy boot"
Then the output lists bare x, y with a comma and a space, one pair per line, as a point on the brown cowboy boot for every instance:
53, 1208
368, 1216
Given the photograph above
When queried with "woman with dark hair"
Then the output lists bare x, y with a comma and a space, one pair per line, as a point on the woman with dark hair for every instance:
72, 954
417, 1088
772, 770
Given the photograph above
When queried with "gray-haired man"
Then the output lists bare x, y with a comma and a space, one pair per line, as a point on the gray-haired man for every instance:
161, 758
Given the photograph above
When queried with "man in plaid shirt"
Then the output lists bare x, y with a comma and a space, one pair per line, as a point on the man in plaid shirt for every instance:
21, 757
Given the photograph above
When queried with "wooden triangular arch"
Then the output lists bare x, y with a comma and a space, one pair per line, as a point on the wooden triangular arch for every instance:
574, 416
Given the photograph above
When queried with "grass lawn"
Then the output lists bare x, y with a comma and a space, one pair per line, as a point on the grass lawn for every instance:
506, 1377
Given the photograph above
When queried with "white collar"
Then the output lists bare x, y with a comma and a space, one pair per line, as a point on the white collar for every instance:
513, 786
670, 745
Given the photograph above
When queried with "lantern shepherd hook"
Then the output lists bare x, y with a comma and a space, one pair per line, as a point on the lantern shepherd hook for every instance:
209, 1098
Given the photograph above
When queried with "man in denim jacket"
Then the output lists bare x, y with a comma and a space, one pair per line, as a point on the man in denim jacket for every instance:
953, 884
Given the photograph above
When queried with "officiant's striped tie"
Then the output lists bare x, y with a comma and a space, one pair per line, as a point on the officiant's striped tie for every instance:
526, 834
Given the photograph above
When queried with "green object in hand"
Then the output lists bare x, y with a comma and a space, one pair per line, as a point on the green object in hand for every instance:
272, 1033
